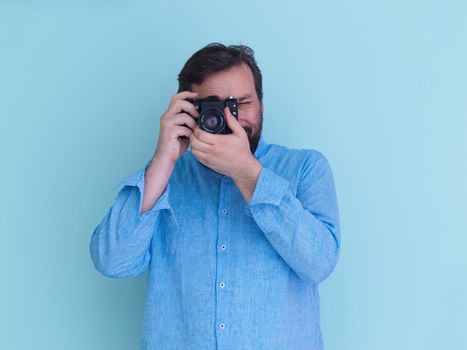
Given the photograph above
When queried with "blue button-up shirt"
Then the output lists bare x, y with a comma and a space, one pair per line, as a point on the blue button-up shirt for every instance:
223, 273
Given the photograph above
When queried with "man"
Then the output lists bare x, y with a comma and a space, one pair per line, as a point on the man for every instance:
237, 233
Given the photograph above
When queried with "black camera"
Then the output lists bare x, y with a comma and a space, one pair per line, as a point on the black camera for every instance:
211, 113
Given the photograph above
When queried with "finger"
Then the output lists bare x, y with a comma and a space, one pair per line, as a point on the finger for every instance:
184, 119
200, 156
183, 95
199, 145
180, 130
179, 106
205, 136
232, 122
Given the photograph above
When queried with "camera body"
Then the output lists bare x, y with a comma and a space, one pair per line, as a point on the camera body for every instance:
211, 113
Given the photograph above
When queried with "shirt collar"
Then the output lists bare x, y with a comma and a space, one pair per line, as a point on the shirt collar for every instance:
261, 146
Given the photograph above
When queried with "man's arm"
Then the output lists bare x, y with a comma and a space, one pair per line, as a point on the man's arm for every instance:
304, 229
156, 179
247, 178
119, 245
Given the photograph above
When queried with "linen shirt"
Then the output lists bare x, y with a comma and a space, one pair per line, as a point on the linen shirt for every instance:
223, 273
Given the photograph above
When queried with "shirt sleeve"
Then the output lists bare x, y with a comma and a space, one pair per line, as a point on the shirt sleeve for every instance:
119, 245
304, 228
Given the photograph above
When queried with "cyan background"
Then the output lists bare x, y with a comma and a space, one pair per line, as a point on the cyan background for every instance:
378, 86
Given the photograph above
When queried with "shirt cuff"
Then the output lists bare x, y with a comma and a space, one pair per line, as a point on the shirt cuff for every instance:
270, 188
137, 179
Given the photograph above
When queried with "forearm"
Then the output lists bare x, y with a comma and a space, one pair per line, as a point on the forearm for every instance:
305, 243
247, 177
303, 227
119, 245
156, 178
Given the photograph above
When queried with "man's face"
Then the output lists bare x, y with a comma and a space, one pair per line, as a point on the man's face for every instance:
237, 81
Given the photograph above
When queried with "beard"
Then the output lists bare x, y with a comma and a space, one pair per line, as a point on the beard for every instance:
254, 135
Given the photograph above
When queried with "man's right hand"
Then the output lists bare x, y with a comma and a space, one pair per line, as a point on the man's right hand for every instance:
176, 126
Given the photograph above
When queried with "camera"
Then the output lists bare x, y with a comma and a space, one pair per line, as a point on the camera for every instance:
211, 113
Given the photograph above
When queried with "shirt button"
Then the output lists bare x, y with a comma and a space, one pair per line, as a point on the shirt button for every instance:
226, 179
222, 326
222, 284
223, 247
224, 211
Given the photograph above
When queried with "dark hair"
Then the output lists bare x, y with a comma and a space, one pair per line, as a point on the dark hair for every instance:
216, 57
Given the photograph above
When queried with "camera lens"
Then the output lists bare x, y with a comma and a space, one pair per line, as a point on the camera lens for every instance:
212, 120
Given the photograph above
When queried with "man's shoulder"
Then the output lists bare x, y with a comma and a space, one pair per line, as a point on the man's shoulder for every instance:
300, 154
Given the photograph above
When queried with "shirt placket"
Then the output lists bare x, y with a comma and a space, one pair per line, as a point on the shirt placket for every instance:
222, 278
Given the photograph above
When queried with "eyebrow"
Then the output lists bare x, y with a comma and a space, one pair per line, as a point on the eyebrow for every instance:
244, 97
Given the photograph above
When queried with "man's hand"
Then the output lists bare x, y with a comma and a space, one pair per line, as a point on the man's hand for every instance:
176, 125
228, 154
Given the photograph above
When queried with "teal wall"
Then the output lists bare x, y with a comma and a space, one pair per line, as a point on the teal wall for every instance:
378, 86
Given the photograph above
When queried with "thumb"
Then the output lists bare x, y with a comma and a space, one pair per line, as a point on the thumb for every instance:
232, 122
